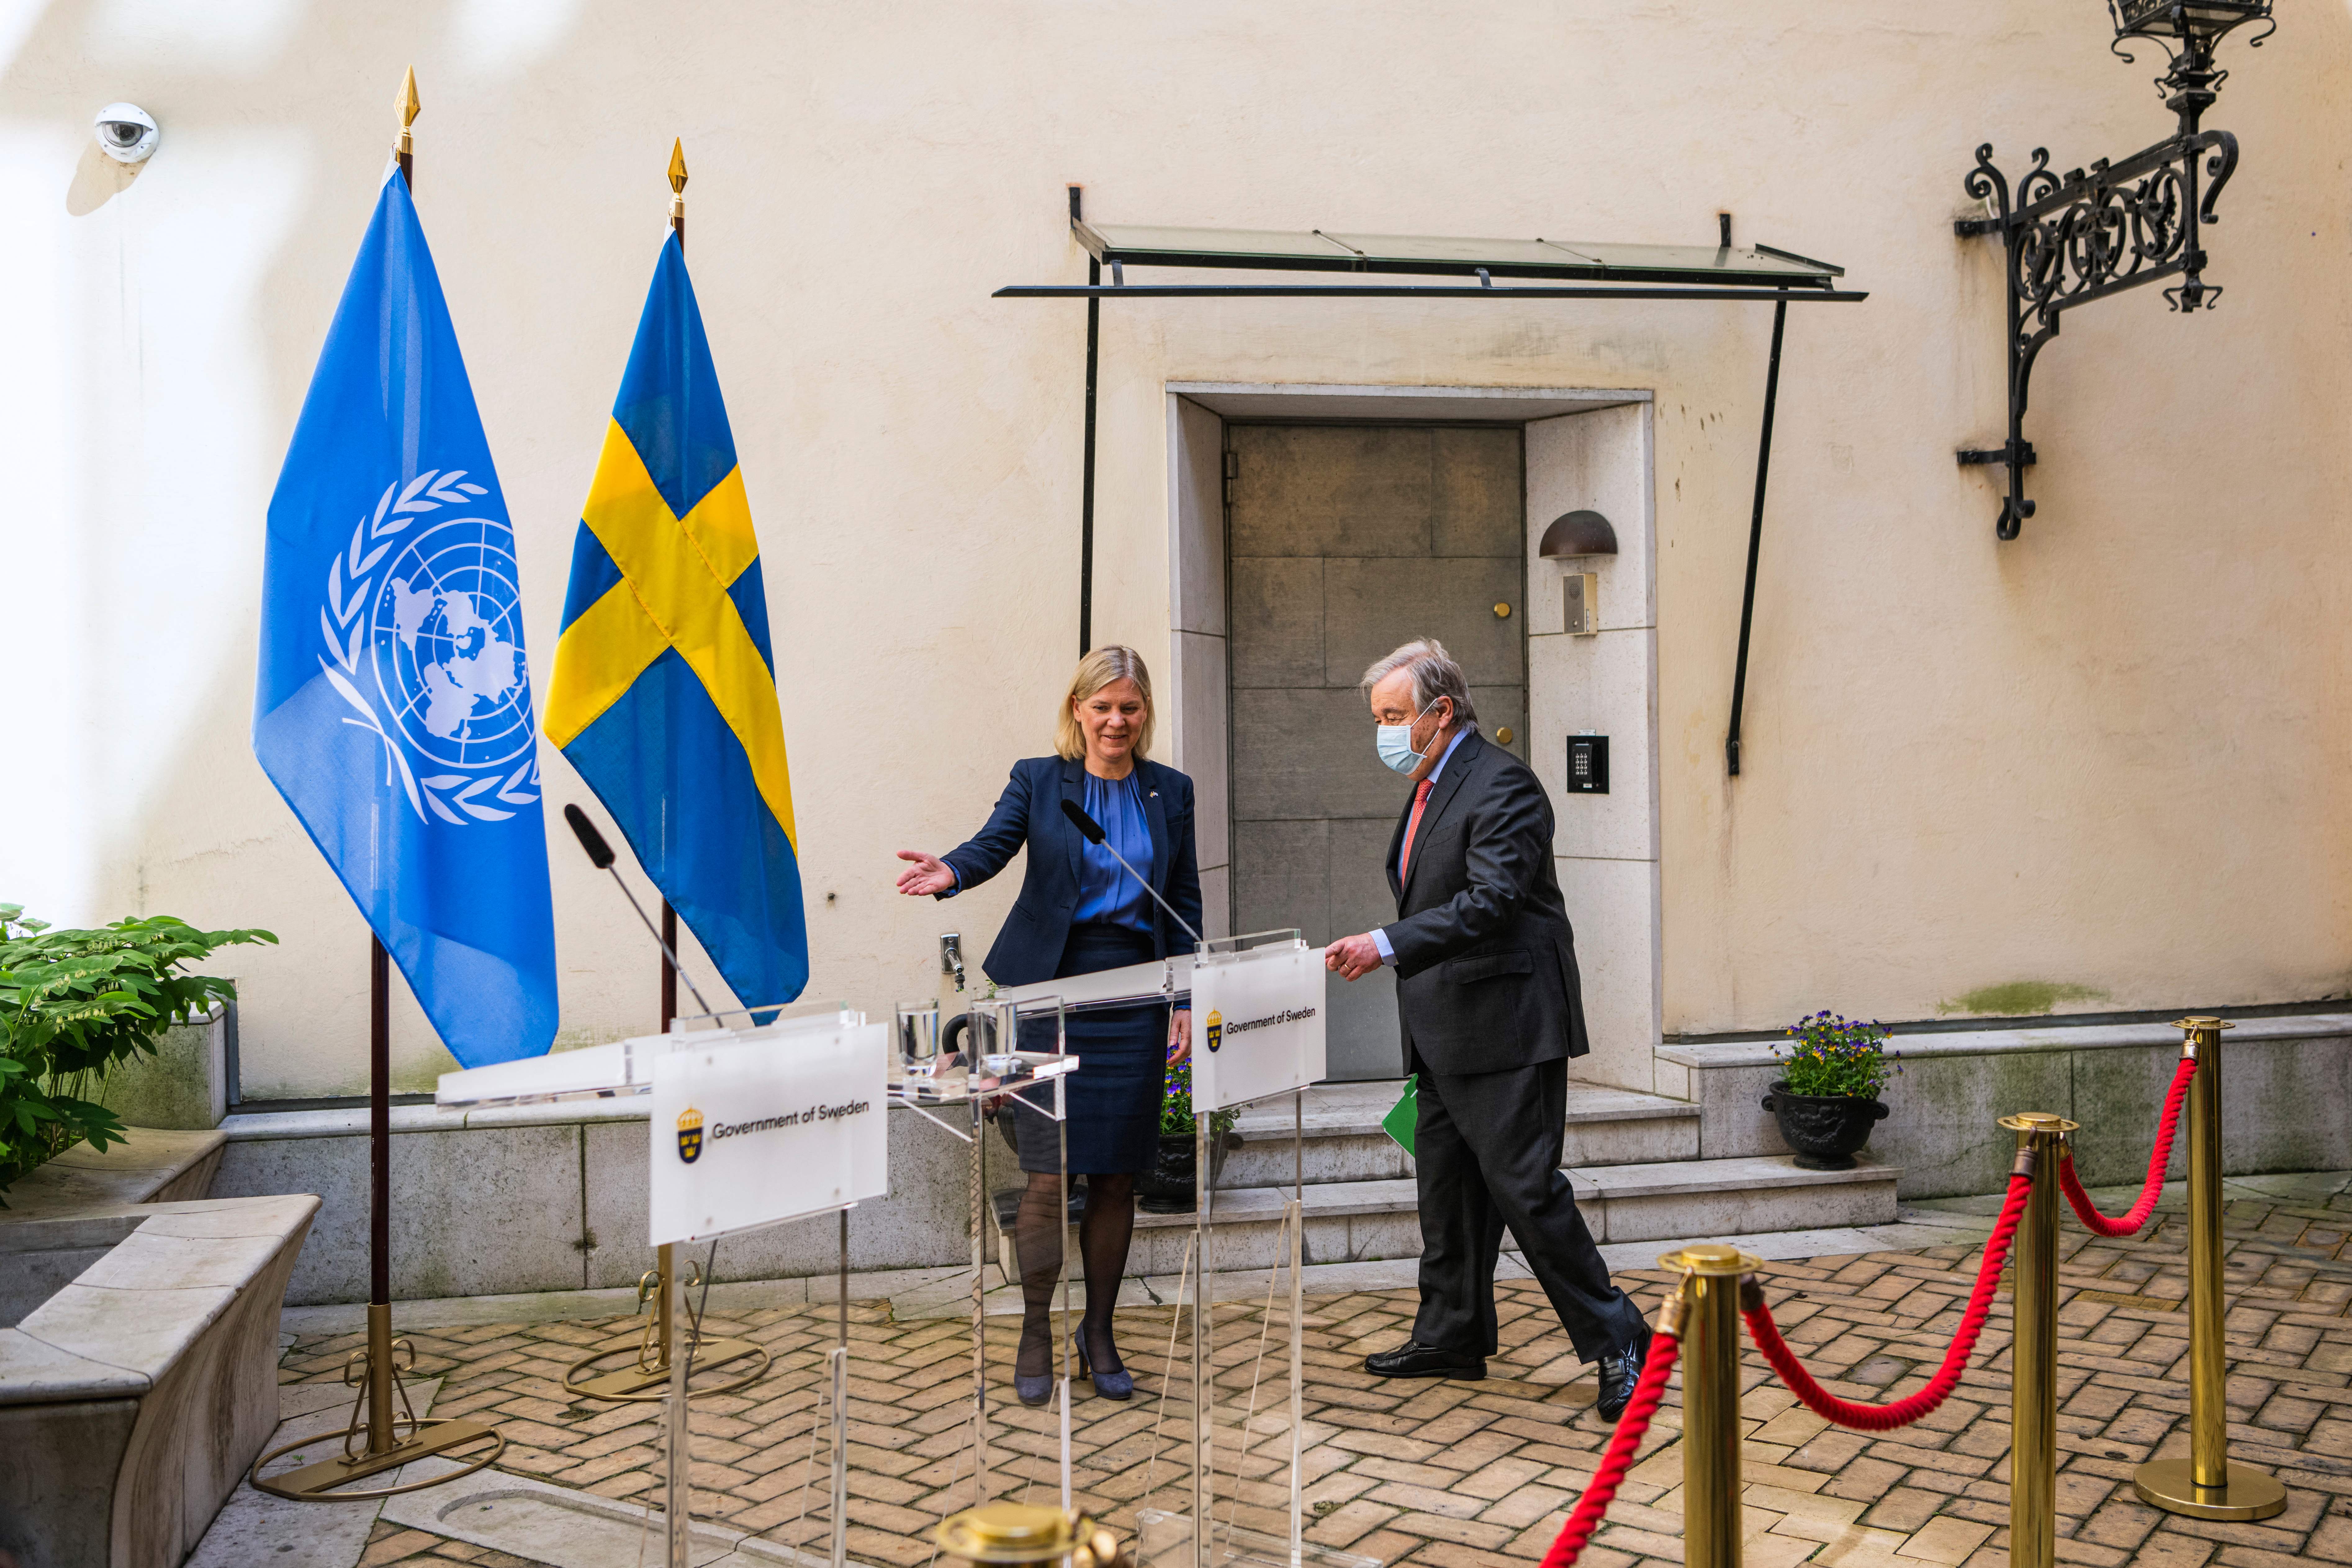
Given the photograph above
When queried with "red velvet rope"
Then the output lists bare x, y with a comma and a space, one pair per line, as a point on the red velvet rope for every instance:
1618, 1458
1903, 1412
2159, 1158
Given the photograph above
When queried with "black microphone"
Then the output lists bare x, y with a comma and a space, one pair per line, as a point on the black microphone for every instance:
600, 855
1093, 831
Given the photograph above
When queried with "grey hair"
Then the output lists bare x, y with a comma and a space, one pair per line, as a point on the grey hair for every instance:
1434, 675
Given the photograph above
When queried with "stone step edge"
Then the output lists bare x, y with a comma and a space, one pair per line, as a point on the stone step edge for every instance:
1335, 1200
1271, 1119
1257, 1129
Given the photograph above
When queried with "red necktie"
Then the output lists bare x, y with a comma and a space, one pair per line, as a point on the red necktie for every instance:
1411, 826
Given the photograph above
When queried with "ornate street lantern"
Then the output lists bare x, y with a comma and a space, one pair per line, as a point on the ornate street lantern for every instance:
2093, 232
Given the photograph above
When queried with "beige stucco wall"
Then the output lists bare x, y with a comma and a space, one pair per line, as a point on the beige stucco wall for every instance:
2107, 755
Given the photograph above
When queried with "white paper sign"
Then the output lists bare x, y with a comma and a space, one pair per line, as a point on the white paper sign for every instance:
1257, 1023
751, 1132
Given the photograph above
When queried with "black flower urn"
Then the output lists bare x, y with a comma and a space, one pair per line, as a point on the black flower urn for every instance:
1824, 1130
1169, 1187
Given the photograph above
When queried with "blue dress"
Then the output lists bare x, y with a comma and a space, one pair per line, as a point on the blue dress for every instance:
1113, 1104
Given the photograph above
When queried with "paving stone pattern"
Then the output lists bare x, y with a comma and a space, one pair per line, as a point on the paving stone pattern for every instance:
1457, 1474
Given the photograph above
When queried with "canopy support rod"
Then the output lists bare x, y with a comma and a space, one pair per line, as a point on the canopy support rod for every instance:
1754, 539
1086, 501
1098, 291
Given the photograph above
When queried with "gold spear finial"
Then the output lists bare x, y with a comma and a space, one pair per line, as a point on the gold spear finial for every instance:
407, 104
678, 186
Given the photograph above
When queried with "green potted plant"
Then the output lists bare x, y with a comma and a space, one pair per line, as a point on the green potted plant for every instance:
1172, 1185
1826, 1099
75, 1003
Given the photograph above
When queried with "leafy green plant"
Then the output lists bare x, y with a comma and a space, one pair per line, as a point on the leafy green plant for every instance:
1176, 1107
1837, 1057
75, 1003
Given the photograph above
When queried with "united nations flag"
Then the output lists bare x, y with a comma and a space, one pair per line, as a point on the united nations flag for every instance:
690, 1135
393, 705
1217, 1031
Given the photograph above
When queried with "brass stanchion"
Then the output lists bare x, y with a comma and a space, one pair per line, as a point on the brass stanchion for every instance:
2033, 1351
2206, 1485
1710, 1339
1019, 1535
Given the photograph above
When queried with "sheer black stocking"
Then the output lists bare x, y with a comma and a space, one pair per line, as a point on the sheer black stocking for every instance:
1104, 1233
1037, 1235
1103, 1237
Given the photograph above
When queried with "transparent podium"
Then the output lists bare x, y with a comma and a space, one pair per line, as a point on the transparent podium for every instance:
702, 1189
1257, 1035
1013, 1047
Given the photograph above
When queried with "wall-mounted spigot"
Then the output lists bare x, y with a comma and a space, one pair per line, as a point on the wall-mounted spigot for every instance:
952, 956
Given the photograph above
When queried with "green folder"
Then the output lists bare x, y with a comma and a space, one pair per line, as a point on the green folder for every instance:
1398, 1122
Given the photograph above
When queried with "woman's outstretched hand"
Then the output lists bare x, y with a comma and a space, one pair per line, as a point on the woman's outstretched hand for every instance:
929, 875
1180, 1035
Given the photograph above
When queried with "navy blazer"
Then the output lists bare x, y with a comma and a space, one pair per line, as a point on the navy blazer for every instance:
1029, 813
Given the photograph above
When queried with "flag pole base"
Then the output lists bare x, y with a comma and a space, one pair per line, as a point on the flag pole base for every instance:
369, 1445
641, 1383
321, 1482
2245, 1495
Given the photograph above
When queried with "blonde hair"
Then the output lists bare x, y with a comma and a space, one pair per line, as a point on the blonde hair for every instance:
1096, 670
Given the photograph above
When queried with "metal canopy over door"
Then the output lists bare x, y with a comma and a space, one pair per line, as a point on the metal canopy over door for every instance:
1553, 270
1343, 541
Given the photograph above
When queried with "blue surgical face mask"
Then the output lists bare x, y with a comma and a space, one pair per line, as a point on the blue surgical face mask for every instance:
1395, 743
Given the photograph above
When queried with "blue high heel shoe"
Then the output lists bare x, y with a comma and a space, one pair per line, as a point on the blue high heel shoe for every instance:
1119, 1384
1036, 1390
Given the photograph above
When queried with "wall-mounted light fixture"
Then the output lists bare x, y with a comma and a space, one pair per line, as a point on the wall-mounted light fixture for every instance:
1574, 533
2112, 227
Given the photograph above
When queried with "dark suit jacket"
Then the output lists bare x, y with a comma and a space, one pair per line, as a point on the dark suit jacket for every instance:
1485, 965
1029, 813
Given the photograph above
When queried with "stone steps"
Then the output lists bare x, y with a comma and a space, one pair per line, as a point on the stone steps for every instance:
1356, 1221
1343, 1141
1341, 1146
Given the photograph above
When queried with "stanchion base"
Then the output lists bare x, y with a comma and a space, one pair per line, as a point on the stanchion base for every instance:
635, 1383
321, 1482
2250, 1494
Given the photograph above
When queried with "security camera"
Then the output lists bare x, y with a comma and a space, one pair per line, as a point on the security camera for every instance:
127, 133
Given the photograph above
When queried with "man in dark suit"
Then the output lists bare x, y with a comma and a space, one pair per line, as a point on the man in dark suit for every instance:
1491, 1011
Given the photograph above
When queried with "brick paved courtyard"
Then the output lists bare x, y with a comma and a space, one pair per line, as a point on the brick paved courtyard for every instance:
1452, 1474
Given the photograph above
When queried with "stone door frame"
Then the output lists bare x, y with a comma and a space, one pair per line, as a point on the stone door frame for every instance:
1584, 447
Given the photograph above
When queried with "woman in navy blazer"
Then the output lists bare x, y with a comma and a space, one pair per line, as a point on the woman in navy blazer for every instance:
1079, 911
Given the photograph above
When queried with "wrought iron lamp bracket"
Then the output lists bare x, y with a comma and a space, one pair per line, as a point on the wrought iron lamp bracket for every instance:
2072, 238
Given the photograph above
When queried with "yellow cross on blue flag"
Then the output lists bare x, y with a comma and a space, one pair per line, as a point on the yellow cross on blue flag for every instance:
664, 690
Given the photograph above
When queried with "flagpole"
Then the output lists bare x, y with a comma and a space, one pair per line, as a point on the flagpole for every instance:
379, 1313
679, 1502
669, 915
382, 1450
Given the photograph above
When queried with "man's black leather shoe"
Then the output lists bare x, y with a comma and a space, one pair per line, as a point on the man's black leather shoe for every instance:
1620, 1371
1414, 1358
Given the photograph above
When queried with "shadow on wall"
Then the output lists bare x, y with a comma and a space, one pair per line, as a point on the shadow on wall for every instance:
204, 835
97, 179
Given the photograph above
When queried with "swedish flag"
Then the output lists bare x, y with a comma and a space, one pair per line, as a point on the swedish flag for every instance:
665, 688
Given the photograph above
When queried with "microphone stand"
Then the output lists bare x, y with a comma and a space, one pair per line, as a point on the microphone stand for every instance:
600, 855
1093, 834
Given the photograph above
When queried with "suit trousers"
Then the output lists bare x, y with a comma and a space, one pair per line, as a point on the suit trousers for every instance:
1487, 1152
